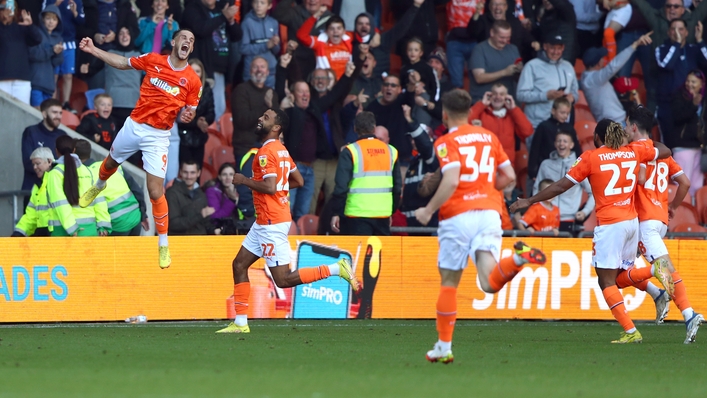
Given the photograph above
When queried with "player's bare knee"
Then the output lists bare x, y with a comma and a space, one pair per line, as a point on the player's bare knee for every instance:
486, 286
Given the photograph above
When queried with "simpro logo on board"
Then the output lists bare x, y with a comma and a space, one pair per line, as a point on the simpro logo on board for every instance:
35, 283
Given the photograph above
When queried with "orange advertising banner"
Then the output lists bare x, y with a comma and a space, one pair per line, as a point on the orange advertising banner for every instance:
109, 279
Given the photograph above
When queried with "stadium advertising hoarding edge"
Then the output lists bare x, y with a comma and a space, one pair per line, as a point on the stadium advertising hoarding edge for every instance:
109, 279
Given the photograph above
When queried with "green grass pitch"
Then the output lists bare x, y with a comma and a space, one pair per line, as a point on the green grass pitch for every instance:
374, 358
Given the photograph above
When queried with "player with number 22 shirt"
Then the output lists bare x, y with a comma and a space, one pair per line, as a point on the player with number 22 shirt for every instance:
274, 173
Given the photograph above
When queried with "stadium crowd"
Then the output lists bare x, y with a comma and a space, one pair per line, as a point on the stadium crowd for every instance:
541, 73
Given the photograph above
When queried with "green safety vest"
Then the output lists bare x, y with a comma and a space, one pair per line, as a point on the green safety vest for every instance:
371, 188
37, 211
64, 219
244, 160
123, 208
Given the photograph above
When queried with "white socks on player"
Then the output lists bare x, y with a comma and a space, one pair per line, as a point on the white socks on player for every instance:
687, 313
100, 184
653, 290
444, 345
241, 320
518, 259
334, 269
163, 240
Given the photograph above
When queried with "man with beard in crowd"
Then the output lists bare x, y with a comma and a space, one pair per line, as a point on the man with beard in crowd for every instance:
41, 134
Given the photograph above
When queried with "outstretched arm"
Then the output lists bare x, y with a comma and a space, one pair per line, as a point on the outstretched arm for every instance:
555, 189
114, 60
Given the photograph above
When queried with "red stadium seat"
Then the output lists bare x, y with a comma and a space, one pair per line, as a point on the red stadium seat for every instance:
701, 204
637, 69
578, 68
222, 155
585, 129
293, 229
685, 214
207, 173
70, 120
587, 144
88, 112
672, 191
582, 100
308, 224
521, 161
212, 143
226, 128
582, 112
689, 228
77, 101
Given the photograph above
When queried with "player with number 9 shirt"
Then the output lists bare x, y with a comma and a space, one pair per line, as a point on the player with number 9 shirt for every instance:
474, 168
274, 173
612, 171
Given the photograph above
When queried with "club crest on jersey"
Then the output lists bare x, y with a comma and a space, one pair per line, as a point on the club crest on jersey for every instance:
576, 162
263, 160
182, 81
442, 150
200, 90
159, 83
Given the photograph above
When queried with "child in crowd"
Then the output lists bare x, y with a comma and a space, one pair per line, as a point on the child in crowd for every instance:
418, 70
99, 126
543, 141
46, 56
260, 39
542, 216
332, 49
72, 15
156, 30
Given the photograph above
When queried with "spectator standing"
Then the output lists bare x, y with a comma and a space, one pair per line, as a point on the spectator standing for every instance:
189, 212
686, 138
72, 15
367, 82
388, 112
425, 74
249, 101
425, 23
438, 61
460, 41
261, 38
35, 221
600, 94
572, 212
479, 27
557, 18
46, 56
495, 61
215, 28
175, 7
15, 40
65, 182
389, 39
42, 134
589, 33
422, 167
547, 131
676, 58
122, 194
659, 19
222, 195
123, 85
545, 79
193, 135
293, 15
334, 48
499, 114
156, 29
364, 201
349, 10
99, 126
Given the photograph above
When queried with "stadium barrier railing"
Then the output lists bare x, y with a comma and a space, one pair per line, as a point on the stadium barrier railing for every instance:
511, 233
17, 200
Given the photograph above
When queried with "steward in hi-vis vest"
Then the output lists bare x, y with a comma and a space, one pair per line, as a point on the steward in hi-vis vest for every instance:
368, 183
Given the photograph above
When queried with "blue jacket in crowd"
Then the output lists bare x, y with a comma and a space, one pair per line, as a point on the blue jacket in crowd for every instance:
42, 57
69, 22
15, 41
674, 63
256, 33
32, 138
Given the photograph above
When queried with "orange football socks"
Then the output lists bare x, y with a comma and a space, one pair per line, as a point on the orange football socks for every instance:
105, 173
615, 300
160, 211
504, 271
309, 275
632, 276
446, 312
241, 295
680, 298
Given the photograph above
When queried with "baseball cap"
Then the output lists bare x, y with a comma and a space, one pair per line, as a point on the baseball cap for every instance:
623, 85
593, 55
554, 39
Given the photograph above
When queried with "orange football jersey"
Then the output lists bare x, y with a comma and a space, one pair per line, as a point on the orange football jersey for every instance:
652, 196
540, 218
612, 174
273, 160
478, 154
164, 91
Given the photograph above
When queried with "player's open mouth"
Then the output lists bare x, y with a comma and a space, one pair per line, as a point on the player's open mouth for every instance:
184, 47
259, 125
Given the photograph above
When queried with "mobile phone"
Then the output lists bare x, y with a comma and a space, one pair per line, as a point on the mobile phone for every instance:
518, 60
325, 299
562, 88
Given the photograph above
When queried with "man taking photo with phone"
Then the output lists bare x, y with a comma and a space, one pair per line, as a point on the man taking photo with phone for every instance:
495, 60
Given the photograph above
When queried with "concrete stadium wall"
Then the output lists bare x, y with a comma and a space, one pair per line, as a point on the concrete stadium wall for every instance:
15, 116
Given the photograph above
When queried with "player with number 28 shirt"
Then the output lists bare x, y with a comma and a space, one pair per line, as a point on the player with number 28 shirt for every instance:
612, 170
